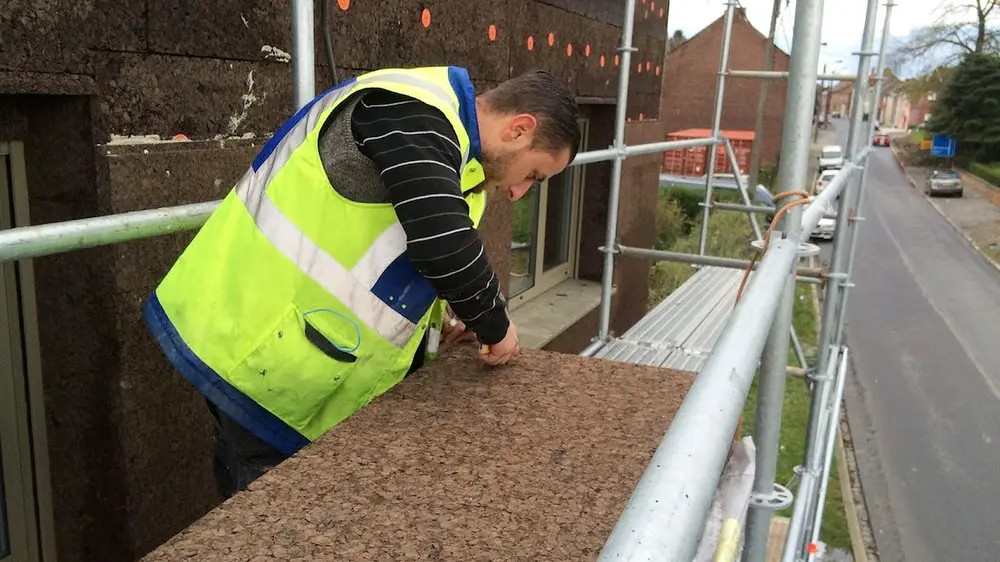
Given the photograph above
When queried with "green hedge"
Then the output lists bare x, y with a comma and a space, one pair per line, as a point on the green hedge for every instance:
989, 172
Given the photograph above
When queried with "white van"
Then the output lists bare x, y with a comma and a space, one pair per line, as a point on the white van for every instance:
831, 157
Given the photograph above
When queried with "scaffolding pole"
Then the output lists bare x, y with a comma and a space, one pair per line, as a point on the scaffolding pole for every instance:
665, 515
792, 176
53, 238
720, 90
611, 233
779, 75
808, 274
879, 79
303, 53
846, 220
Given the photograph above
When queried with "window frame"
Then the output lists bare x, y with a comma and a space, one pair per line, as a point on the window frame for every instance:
546, 280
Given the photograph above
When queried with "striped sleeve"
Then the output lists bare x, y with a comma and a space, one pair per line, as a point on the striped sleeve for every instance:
417, 152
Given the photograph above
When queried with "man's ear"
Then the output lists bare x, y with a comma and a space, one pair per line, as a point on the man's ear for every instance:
522, 128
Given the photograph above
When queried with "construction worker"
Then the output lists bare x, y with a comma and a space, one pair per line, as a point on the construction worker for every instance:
323, 275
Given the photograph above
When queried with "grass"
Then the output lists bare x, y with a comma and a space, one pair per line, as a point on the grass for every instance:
678, 226
917, 136
794, 421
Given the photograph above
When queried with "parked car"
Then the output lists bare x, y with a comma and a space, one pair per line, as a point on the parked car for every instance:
831, 157
826, 227
881, 139
824, 179
943, 182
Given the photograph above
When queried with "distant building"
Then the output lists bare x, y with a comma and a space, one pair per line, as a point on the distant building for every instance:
687, 99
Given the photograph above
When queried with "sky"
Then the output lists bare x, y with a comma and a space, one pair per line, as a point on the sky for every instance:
843, 24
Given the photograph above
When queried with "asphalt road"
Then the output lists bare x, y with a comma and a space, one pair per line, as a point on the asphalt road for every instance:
923, 401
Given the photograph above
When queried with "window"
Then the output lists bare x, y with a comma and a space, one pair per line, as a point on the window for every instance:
544, 235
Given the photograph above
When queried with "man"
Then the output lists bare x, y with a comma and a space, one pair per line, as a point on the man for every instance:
325, 272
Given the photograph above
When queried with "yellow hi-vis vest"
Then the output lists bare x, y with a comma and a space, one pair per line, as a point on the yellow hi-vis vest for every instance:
293, 307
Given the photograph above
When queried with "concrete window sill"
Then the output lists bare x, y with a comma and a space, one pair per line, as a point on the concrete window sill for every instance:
543, 318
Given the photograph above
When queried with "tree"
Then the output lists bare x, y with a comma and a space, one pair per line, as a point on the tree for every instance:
675, 41
959, 28
969, 107
933, 82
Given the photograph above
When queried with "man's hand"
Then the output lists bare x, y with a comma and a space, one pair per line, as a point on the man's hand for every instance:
455, 330
502, 352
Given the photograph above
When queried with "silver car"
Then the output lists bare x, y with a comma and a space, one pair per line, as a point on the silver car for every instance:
943, 182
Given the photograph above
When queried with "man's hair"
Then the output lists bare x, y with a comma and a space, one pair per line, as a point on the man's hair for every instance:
541, 95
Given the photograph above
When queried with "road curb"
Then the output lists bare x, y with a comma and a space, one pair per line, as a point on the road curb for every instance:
945, 216
859, 550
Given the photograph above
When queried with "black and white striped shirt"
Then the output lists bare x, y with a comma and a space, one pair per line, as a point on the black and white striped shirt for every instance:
416, 150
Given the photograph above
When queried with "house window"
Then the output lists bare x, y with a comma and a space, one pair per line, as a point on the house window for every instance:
544, 233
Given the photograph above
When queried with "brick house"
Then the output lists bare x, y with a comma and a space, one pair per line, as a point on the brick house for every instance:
840, 98
689, 83
125, 107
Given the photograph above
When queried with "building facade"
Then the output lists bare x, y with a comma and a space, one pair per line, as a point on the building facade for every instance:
690, 76
116, 106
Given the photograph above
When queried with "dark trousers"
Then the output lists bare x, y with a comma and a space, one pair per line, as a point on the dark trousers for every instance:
240, 457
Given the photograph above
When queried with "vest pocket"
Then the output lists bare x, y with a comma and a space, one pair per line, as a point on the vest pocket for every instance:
301, 363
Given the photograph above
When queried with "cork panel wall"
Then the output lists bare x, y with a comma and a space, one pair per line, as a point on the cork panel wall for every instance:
163, 422
532, 461
77, 345
46, 36
230, 29
444, 32
116, 25
199, 97
637, 222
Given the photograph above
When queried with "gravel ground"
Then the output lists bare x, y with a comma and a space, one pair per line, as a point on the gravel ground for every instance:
976, 214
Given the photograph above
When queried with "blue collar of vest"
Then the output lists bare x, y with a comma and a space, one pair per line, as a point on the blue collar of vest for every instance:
462, 84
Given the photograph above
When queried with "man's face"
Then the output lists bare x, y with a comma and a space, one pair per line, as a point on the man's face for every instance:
512, 166
513, 173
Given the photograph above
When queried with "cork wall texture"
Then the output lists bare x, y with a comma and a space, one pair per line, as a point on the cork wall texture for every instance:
220, 69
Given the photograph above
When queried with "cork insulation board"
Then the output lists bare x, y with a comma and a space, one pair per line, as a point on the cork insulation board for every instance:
460, 461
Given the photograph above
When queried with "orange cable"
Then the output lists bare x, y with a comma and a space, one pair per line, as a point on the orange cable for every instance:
767, 234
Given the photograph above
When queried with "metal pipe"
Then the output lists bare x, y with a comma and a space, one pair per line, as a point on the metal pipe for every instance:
303, 53
53, 238
652, 148
807, 480
695, 259
606, 154
665, 516
800, 353
830, 442
842, 308
845, 214
742, 186
593, 348
46, 239
755, 226
756, 209
744, 208
767, 431
816, 209
792, 176
720, 91
611, 234
779, 74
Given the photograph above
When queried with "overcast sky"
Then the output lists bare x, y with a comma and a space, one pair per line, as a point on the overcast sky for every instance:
843, 23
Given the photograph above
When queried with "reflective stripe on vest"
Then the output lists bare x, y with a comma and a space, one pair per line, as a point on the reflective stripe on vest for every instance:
352, 287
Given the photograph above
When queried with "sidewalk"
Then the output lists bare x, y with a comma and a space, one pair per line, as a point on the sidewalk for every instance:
975, 215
